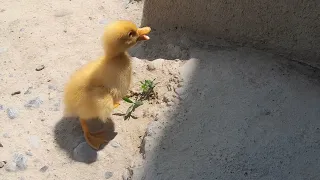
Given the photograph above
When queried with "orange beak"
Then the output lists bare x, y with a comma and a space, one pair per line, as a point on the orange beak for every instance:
143, 33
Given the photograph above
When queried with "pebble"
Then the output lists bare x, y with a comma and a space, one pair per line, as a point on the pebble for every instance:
6, 135
34, 103
39, 68
12, 113
1, 145
44, 169
151, 67
62, 13
108, 174
20, 160
3, 49
1, 107
52, 87
29, 153
84, 153
15, 93
115, 144
103, 21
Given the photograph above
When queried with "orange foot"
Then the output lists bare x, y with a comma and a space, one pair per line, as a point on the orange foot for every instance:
116, 105
96, 139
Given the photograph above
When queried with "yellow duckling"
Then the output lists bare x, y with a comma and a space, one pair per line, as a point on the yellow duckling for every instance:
97, 88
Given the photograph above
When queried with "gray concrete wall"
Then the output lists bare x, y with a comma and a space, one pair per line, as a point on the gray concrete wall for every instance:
286, 27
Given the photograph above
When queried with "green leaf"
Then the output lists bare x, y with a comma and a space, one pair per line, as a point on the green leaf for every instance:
127, 100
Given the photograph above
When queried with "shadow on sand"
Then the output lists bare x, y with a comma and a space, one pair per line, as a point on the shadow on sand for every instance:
69, 137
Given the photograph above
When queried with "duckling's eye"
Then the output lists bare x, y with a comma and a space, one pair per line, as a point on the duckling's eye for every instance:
131, 33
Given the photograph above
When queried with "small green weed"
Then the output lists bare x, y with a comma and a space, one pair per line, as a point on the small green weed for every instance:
147, 88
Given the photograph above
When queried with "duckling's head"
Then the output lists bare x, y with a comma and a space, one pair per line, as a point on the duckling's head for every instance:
119, 36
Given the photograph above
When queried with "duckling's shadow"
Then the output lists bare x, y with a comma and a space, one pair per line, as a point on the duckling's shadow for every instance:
69, 136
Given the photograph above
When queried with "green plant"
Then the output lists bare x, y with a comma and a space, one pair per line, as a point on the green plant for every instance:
147, 88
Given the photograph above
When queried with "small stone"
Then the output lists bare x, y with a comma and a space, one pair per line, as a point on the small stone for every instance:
44, 169
3, 49
151, 67
39, 68
1, 107
29, 153
2, 163
84, 153
6, 135
52, 87
11, 167
34, 141
62, 13
115, 144
12, 113
15, 93
1, 145
34, 103
103, 21
108, 174
20, 160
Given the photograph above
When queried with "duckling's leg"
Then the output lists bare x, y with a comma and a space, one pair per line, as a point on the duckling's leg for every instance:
95, 140
115, 105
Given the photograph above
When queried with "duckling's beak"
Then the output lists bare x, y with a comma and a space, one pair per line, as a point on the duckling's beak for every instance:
142, 32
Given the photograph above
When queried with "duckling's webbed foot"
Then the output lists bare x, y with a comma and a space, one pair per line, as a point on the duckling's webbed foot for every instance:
96, 139
116, 105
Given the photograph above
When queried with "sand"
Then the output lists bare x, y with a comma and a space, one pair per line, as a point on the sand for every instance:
41, 44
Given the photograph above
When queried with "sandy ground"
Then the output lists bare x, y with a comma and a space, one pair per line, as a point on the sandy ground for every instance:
41, 44
222, 112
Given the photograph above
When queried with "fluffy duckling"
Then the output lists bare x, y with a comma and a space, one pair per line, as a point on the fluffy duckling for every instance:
97, 88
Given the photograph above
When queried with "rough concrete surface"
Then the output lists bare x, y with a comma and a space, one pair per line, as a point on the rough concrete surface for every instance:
244, 114
289, 28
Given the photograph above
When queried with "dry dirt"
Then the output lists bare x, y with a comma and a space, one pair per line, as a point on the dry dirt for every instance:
41, 44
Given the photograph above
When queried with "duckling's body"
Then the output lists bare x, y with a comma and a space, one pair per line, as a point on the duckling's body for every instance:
97, 87
95, 90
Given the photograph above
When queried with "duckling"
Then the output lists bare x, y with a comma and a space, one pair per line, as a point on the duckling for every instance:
95, 89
